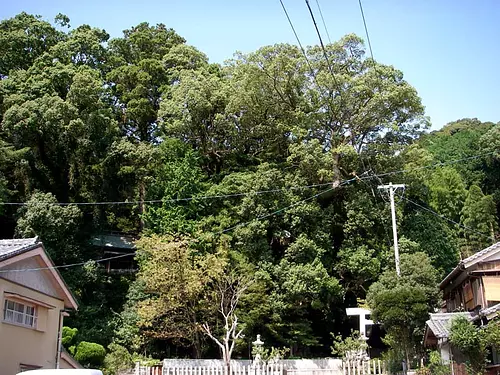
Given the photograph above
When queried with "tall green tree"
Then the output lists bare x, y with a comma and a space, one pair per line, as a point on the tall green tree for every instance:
479, 221
138, 77
23, 38
403, 303
447, 192
178, 285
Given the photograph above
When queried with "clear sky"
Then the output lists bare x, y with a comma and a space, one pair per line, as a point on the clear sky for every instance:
449, 50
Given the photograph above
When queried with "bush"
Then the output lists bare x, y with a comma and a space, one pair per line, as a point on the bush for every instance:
117, 359
436, 365
68, 336
90, 354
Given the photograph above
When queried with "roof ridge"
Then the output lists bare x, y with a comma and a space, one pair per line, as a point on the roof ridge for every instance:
13, 246
481, 252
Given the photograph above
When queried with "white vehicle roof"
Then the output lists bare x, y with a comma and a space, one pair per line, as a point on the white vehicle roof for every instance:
62, 372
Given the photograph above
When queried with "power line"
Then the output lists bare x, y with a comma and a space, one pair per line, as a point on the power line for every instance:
446, 218
286, 208
66, 265
276, 212
259, 192
298, 40
366, 30
324, 51
205, 197
439, 164
324, 23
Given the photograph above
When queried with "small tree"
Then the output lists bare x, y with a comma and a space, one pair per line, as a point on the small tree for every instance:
118, 359
403, 303
352, 347
474, 342
471, 342
90, 354
229, 290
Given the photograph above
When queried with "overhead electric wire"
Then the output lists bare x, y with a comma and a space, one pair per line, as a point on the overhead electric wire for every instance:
366, 29
325, 54
276, 212
258, 192
287, 207
298, 40
66, 265
324, 23
446, 218
202, 197
357, 178
439, 164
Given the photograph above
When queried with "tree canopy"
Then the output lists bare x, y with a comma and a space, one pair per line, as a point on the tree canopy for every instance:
266, 165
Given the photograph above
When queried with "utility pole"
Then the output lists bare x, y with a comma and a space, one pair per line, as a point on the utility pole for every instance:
392, 188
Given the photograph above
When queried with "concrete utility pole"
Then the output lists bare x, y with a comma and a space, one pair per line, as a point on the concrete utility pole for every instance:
392, 188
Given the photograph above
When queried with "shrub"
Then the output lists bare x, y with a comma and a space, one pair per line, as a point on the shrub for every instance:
90, 354
117, 359
68, 336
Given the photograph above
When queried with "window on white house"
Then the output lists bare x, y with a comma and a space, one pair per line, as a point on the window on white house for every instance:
18, 313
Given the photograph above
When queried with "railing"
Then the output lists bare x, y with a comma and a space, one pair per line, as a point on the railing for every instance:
364, 367
234, 369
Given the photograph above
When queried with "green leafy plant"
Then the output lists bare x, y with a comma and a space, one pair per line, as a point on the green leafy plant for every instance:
349, 346
117, 359
472, 342
90, 354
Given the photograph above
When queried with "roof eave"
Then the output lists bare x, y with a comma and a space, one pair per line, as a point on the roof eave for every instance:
452, 275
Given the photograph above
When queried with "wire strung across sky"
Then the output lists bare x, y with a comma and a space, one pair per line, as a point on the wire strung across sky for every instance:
283, 209
446, 218
325, 54
65, 265
366, 29
258, 192
258, 218
324, 23
304, 53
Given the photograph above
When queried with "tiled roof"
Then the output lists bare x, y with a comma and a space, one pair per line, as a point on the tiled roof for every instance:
470, 261
481, 253
490, 310
11, 247
440, 324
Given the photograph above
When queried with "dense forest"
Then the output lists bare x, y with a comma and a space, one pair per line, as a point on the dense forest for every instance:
260, 171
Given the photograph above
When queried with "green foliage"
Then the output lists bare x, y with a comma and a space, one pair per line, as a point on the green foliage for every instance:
447, 192
57, 226
435, 366
479, 218
402, 304
434, 237
145, 120
117, 359
470, 341
90, 354
69, 336
23, 39
177, 281
269, 355
351, 345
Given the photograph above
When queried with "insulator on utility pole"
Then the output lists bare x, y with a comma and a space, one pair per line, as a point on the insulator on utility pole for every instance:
392, 188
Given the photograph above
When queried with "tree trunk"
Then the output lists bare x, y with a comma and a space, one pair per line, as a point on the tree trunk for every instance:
336, 170
142, 195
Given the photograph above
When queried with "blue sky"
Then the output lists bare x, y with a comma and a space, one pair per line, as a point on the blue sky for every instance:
447, 49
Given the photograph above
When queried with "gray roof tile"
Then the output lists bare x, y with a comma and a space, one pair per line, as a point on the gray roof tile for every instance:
440, 323
490, 310
479, 254
11, 247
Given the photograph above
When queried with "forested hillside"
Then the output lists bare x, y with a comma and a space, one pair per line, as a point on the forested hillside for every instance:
263, 169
